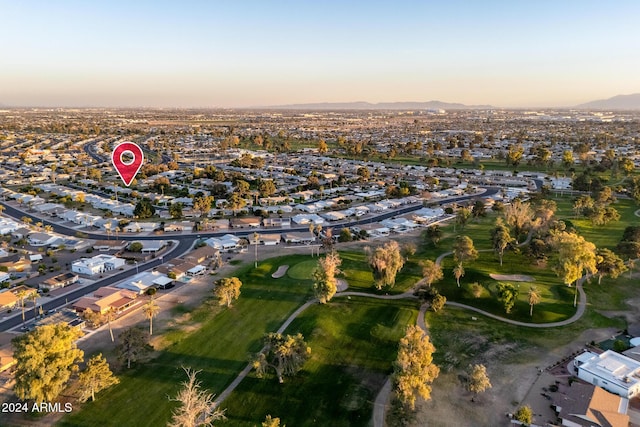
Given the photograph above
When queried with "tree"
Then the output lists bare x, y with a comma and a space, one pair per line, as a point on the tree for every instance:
508, 294
501, 238
575, 256
438, 302
463, 250
134, 345
478, 379
518, 215
567, 158
175, 210
414, 369
345, 235
203, 204
325, 284
533, 298
478, 209
271, 422
462, 217
96, 377
514, 155
267, 188
524, 414
431, 272
161, 184
45, 359
629, 245
322, 146
363, 173
135, 247
227, 290
236, 201
196, 406
144, 209
609, 264
458, 272
284, 354
150, 310
109, 316
434, 233
22, 294
385, 261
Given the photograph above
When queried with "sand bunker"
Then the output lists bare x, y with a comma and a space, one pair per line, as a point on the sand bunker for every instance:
342, 285
282, 270
513, 277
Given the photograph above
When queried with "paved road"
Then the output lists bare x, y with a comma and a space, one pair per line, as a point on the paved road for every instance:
53, 303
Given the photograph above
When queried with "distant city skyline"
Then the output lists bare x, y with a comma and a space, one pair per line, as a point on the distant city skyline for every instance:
260, 53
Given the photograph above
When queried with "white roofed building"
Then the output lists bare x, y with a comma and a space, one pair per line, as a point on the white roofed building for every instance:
612, 371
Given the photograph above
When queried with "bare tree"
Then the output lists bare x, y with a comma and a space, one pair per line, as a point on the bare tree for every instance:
197, 407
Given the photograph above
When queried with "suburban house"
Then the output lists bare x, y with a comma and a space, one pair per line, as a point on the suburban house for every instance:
21, 233
105, 299
142, 281
7, 300
181, 268
226, 243
585, 405
277, 222
305, 238
96, 265
109, 245
41, 239
249, 222
612, 371
202, 254
152, 246
59, 281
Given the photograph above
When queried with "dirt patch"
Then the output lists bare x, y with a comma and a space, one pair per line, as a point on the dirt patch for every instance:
280, 272
513, 383
512, 277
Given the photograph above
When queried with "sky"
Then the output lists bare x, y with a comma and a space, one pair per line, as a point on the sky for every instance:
247, 53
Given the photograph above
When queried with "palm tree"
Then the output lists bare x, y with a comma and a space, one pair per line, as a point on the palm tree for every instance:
150, 310
34, 298
109, 316
107, 227
27, 220
458, 272
48, 228
534, 298
22, 294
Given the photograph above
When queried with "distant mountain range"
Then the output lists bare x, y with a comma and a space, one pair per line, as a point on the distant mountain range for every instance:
620, 102
429, 105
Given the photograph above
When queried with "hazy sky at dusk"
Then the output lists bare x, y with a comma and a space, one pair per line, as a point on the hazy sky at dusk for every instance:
248, 53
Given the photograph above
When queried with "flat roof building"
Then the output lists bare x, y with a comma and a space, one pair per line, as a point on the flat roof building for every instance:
612, 371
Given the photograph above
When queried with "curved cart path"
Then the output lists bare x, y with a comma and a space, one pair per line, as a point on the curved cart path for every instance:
380, 404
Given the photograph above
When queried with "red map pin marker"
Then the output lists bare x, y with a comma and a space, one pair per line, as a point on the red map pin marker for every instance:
127, 171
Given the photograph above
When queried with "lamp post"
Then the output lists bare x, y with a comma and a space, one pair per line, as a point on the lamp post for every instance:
136, 266
255, 242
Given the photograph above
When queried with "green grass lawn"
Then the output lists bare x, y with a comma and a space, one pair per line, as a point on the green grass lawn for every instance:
220, 348
357, 273
353, 343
